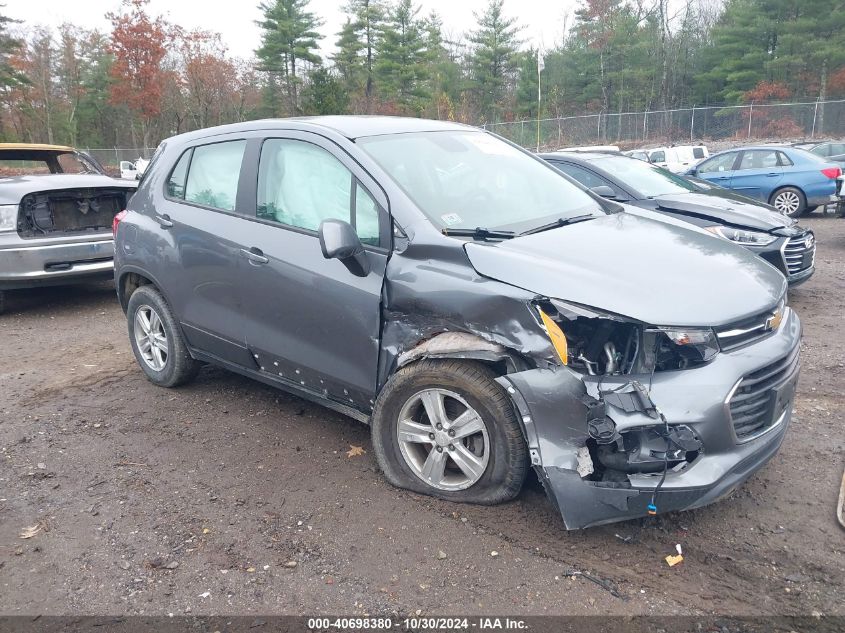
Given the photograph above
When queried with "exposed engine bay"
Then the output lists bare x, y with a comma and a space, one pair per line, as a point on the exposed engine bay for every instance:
70, 211
608, 345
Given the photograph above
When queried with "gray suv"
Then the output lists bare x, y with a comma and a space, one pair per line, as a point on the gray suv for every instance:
481, 312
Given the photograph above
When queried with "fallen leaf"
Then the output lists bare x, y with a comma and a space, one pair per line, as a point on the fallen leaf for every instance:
30, 531
355, 451
674, 560
205, 530
250, 570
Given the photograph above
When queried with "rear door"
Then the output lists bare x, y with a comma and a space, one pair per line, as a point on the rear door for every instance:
200, 227
719, 169
309, 320
758, 173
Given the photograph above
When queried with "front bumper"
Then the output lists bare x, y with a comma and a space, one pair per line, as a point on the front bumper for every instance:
29, 263
791, 257
553, 407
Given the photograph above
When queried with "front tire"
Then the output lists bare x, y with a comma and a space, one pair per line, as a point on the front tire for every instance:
789, 201
157, 340
447, 429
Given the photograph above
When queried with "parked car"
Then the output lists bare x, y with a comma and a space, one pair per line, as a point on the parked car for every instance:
639, 154
56, 212
791, 180
479, 310
133, 170
677, 158
760, 228
828, 150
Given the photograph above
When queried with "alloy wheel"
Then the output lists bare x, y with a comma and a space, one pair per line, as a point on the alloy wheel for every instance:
443, 440
787, 202
151, 338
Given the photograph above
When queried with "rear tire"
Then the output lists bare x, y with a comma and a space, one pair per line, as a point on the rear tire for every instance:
157, 341
790, 201
486, 466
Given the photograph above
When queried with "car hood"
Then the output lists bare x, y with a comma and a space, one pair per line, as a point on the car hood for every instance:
14, 188
723, 209
644, 269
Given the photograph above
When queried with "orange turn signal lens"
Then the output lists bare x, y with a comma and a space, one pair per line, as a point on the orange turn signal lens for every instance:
557, 337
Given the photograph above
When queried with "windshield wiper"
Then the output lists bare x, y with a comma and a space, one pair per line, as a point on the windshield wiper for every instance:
480, 233
559, 223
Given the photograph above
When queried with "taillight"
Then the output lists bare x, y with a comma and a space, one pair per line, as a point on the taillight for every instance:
832, 172
116, 221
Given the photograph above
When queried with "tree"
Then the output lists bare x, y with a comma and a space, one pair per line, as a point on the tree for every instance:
325, 93
9, 75
400, 67
493, 60
289, 39
356, 50
138, 44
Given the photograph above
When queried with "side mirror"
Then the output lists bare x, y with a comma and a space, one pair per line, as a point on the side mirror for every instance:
604, 191
338, 240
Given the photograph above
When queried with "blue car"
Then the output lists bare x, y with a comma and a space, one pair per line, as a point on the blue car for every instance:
792, 180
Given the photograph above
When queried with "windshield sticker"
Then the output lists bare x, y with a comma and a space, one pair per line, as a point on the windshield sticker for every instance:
451, 219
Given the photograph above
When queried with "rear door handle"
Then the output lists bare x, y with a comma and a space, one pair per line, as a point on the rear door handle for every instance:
772, 175
255, 255
164, 221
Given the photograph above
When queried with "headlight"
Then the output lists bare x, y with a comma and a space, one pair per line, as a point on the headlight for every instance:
695, 345
741, 236
8, 217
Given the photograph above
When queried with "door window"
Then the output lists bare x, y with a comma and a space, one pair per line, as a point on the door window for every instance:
584, 176
301, 184
759, 159
214, 173
657, 157
725, 162
176, 182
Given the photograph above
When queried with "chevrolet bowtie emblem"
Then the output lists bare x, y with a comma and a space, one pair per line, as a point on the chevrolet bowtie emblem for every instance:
773, 322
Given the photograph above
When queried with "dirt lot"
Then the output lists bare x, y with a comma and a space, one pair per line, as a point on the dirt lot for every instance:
226, 496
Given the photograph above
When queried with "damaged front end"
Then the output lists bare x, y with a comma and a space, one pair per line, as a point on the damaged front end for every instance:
636, 419
70, 211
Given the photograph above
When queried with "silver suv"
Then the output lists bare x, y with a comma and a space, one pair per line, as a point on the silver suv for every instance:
57, 206
481, 312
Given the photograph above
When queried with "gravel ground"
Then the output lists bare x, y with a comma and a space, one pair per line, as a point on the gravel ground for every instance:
227, 496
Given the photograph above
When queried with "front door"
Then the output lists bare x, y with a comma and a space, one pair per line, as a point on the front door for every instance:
309, 320
719, 170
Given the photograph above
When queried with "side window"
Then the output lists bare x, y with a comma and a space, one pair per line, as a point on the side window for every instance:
584, 176
698, 153
657, 157
759, 159
176, 182
214, 173
725, 162
784, 160
301, 184
837, 149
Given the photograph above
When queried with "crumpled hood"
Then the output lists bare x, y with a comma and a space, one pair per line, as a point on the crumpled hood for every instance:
644, 269
724, 210
13, 189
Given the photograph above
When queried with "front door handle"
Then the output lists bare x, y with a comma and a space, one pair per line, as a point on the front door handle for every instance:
164, 221
255, 255
772, 175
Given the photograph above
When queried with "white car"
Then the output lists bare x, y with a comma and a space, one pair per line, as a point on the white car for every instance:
133, 171
677, 159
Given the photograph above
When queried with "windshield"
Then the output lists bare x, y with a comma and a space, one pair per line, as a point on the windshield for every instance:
465, 180
28, 162
647, 179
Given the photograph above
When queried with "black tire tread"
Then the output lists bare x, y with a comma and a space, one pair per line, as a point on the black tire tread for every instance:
482, 379
184, 367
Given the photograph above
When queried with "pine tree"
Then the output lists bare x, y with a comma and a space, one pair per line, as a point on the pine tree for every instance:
9, 76
289, 38
493, 60
325, 93
400, 67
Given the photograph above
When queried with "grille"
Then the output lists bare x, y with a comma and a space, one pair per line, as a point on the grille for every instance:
795, 250
746, 331
753, 404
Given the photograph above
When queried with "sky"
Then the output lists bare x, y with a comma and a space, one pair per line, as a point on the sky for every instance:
235, 19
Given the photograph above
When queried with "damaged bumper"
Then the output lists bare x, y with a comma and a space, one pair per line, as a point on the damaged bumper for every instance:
737, 407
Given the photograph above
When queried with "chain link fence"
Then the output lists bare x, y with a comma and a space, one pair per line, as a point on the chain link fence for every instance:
781, 121
111, 157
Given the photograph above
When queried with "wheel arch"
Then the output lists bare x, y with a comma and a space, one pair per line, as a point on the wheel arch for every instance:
780, 188
129, 280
